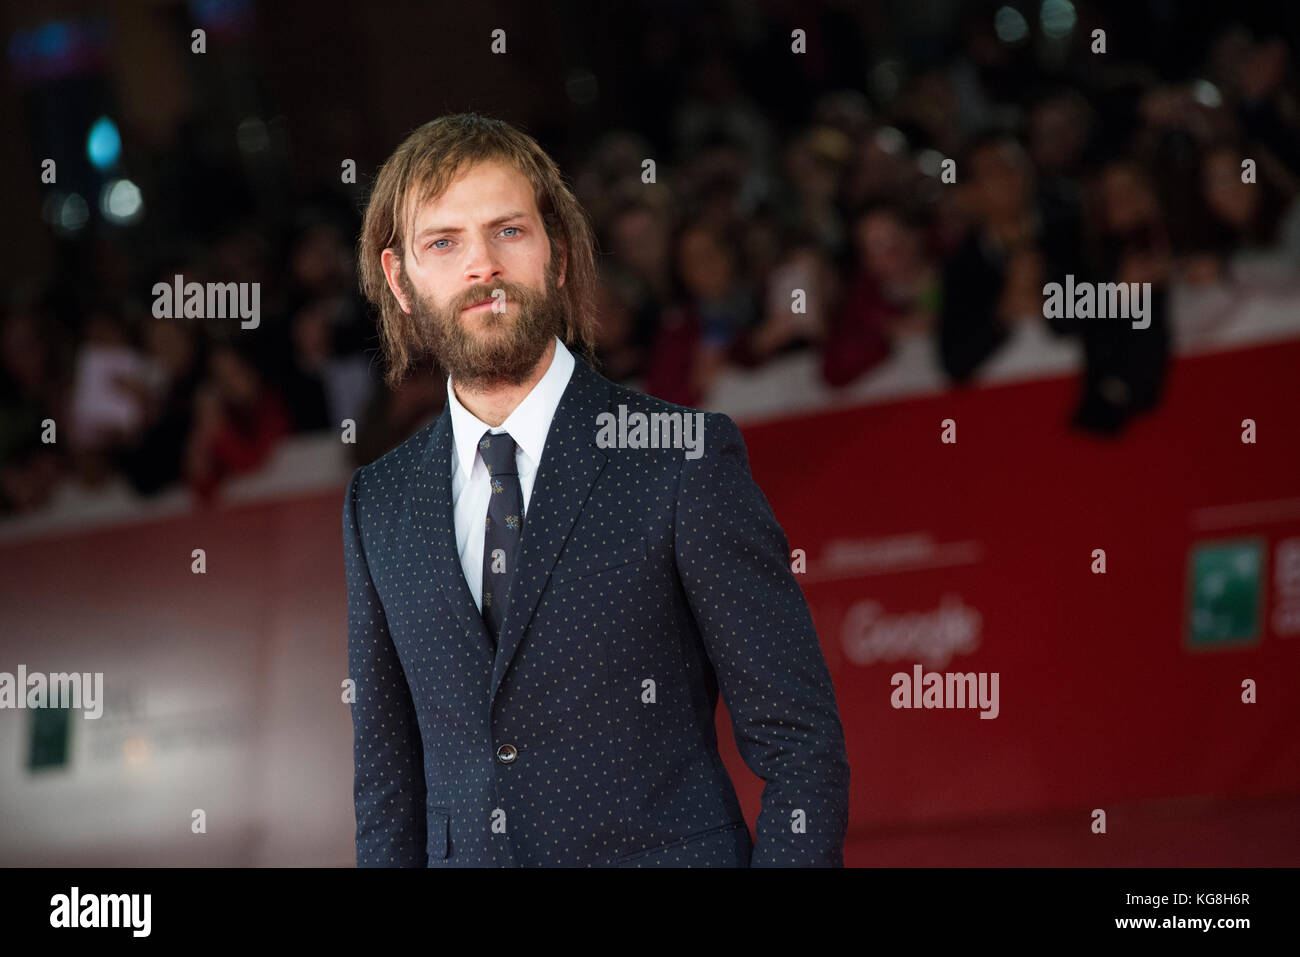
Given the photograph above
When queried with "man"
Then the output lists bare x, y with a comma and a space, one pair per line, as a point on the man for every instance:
539, 623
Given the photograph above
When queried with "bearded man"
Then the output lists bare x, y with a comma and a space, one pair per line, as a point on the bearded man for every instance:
539, 624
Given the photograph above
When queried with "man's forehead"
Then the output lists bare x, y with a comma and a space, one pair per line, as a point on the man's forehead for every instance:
508, 190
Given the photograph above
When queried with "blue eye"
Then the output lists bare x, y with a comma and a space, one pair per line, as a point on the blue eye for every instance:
517, 230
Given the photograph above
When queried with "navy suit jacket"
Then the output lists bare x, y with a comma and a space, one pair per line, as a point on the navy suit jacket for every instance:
646, 582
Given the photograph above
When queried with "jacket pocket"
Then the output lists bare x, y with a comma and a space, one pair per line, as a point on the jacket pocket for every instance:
438, 822
606, 558
632, 860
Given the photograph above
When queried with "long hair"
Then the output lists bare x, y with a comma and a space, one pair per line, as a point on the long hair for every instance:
419, 170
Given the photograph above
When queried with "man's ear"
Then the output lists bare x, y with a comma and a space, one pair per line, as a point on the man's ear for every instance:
564, 261
392, 272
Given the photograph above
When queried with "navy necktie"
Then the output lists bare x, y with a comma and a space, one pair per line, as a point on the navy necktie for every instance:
504, 527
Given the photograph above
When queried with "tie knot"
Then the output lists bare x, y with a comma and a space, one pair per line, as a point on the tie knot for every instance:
498, 451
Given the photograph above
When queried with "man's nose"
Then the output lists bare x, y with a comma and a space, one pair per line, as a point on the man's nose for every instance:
481, 264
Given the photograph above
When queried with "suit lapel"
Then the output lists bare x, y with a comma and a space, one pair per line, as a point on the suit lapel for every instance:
571, 462
433, 519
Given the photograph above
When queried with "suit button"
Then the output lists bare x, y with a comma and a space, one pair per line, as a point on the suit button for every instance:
507, 753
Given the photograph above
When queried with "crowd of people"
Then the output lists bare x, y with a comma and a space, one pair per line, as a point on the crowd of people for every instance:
938, 215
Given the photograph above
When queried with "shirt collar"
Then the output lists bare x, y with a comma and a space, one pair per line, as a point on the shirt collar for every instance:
527, 424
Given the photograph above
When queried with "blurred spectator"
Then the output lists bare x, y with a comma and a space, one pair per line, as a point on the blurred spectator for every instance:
930, 112
696, 333
1125, 367
153, 461
639, 234
881, 167
1256, 226
1266, 106
894, 291
30, 394
1022, 238
719, 107
802, 289
815, 165
620, 356
641, 268
238, 421
1059, 129
106, 405
301, 379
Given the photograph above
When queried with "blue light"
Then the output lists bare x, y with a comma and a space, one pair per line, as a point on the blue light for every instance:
1010, 25
1058, 18
103, 144
120, 202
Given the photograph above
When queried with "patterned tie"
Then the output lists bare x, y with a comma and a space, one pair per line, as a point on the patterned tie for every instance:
504, 528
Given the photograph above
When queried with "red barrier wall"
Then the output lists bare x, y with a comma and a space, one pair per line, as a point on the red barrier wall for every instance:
1106, 692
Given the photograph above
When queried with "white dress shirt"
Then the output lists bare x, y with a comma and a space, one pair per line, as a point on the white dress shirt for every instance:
470, 483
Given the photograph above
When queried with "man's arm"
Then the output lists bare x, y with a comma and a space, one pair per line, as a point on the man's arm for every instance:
388, 755
733, 561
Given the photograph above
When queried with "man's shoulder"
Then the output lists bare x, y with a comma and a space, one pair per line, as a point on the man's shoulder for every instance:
668, 429
634, 401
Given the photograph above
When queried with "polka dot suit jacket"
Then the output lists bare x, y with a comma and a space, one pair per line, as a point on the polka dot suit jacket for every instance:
647, 583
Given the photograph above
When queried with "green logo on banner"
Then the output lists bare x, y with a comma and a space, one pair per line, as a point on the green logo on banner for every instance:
1226, 594
50, 729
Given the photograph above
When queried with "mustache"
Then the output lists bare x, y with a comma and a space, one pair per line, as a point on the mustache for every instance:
483, 293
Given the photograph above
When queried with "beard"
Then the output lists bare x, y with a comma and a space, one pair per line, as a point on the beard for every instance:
508, 347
